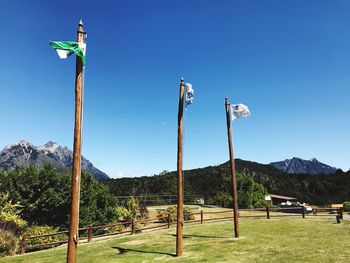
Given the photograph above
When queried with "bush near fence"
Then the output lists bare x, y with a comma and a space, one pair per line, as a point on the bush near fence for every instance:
42, 242
172, 210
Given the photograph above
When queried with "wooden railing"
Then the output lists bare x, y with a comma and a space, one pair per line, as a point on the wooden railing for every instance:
130, 227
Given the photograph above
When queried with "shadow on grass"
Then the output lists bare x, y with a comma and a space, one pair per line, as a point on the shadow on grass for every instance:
189, 236
123, 251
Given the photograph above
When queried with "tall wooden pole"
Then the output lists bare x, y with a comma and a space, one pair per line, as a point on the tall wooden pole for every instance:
179, 225
232, 164
76, 171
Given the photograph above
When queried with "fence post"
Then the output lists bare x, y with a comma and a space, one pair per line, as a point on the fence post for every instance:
267, 212
169, 220
90, 233
24, 244
303, 211
202, 217
133, 227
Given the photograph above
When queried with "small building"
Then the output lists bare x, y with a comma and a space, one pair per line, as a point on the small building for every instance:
277, 199
337, 205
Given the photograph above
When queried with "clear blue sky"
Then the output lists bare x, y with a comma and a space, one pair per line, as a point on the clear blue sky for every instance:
289, 61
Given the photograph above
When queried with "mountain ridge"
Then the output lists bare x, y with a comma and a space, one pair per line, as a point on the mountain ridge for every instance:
23, 153
300, 166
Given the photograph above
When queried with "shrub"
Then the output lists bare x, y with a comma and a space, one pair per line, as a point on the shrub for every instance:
188, 213
346, 206
8, 242
132, 205
11, 225
115, 229
172, 210
143, 212
131, 210
43, 241
123, 214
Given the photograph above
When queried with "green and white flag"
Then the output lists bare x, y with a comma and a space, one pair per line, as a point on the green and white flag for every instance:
66, 48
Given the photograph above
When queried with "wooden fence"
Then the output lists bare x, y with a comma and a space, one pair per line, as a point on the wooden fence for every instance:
160, 199
161, 222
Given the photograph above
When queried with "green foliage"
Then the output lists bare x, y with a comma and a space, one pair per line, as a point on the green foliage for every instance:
122, 213
45, 196
144, 213
131, 211
11, 225
250, 193
96, 203
42, 242
188, 213
114, 229
210, 181
346, 206
172, 210
132, 205
10, 212
8, 242
223, 199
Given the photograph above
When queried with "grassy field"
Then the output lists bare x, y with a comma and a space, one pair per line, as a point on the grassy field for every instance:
262, 240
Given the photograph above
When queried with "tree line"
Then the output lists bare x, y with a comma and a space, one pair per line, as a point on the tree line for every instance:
213, 183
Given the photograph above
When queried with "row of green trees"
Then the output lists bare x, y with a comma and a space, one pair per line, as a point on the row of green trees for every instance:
37, 201
44, 195
253, 181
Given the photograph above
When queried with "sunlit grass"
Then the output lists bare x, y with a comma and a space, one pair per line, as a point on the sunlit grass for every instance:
274, 240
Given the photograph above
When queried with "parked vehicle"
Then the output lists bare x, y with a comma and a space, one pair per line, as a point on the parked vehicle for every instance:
295, 207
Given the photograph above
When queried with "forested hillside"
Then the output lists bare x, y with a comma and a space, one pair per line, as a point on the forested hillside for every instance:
252, 177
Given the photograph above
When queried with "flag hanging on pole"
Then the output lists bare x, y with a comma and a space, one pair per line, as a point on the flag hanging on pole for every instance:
66, 48
239, 111
189, 93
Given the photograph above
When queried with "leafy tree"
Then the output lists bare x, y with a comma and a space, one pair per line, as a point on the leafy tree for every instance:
45, 196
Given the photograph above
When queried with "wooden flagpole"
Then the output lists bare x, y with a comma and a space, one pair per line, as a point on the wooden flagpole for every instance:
179, 225
76, 170
232, 164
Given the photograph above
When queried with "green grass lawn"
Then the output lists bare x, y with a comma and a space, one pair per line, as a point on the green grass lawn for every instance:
262, 240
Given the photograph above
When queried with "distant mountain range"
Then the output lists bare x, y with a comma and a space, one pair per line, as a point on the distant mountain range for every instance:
23, 153
300, 166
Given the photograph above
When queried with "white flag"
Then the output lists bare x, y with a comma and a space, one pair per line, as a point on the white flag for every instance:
238, 111
189, 93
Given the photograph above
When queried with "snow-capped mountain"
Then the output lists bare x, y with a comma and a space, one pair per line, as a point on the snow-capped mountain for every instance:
300, 166
24, 153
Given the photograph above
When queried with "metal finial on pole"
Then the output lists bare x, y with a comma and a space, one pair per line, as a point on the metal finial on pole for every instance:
81, 22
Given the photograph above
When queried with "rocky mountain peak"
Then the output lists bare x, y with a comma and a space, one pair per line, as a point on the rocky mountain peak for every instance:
24, 153
299, 166
21, 143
